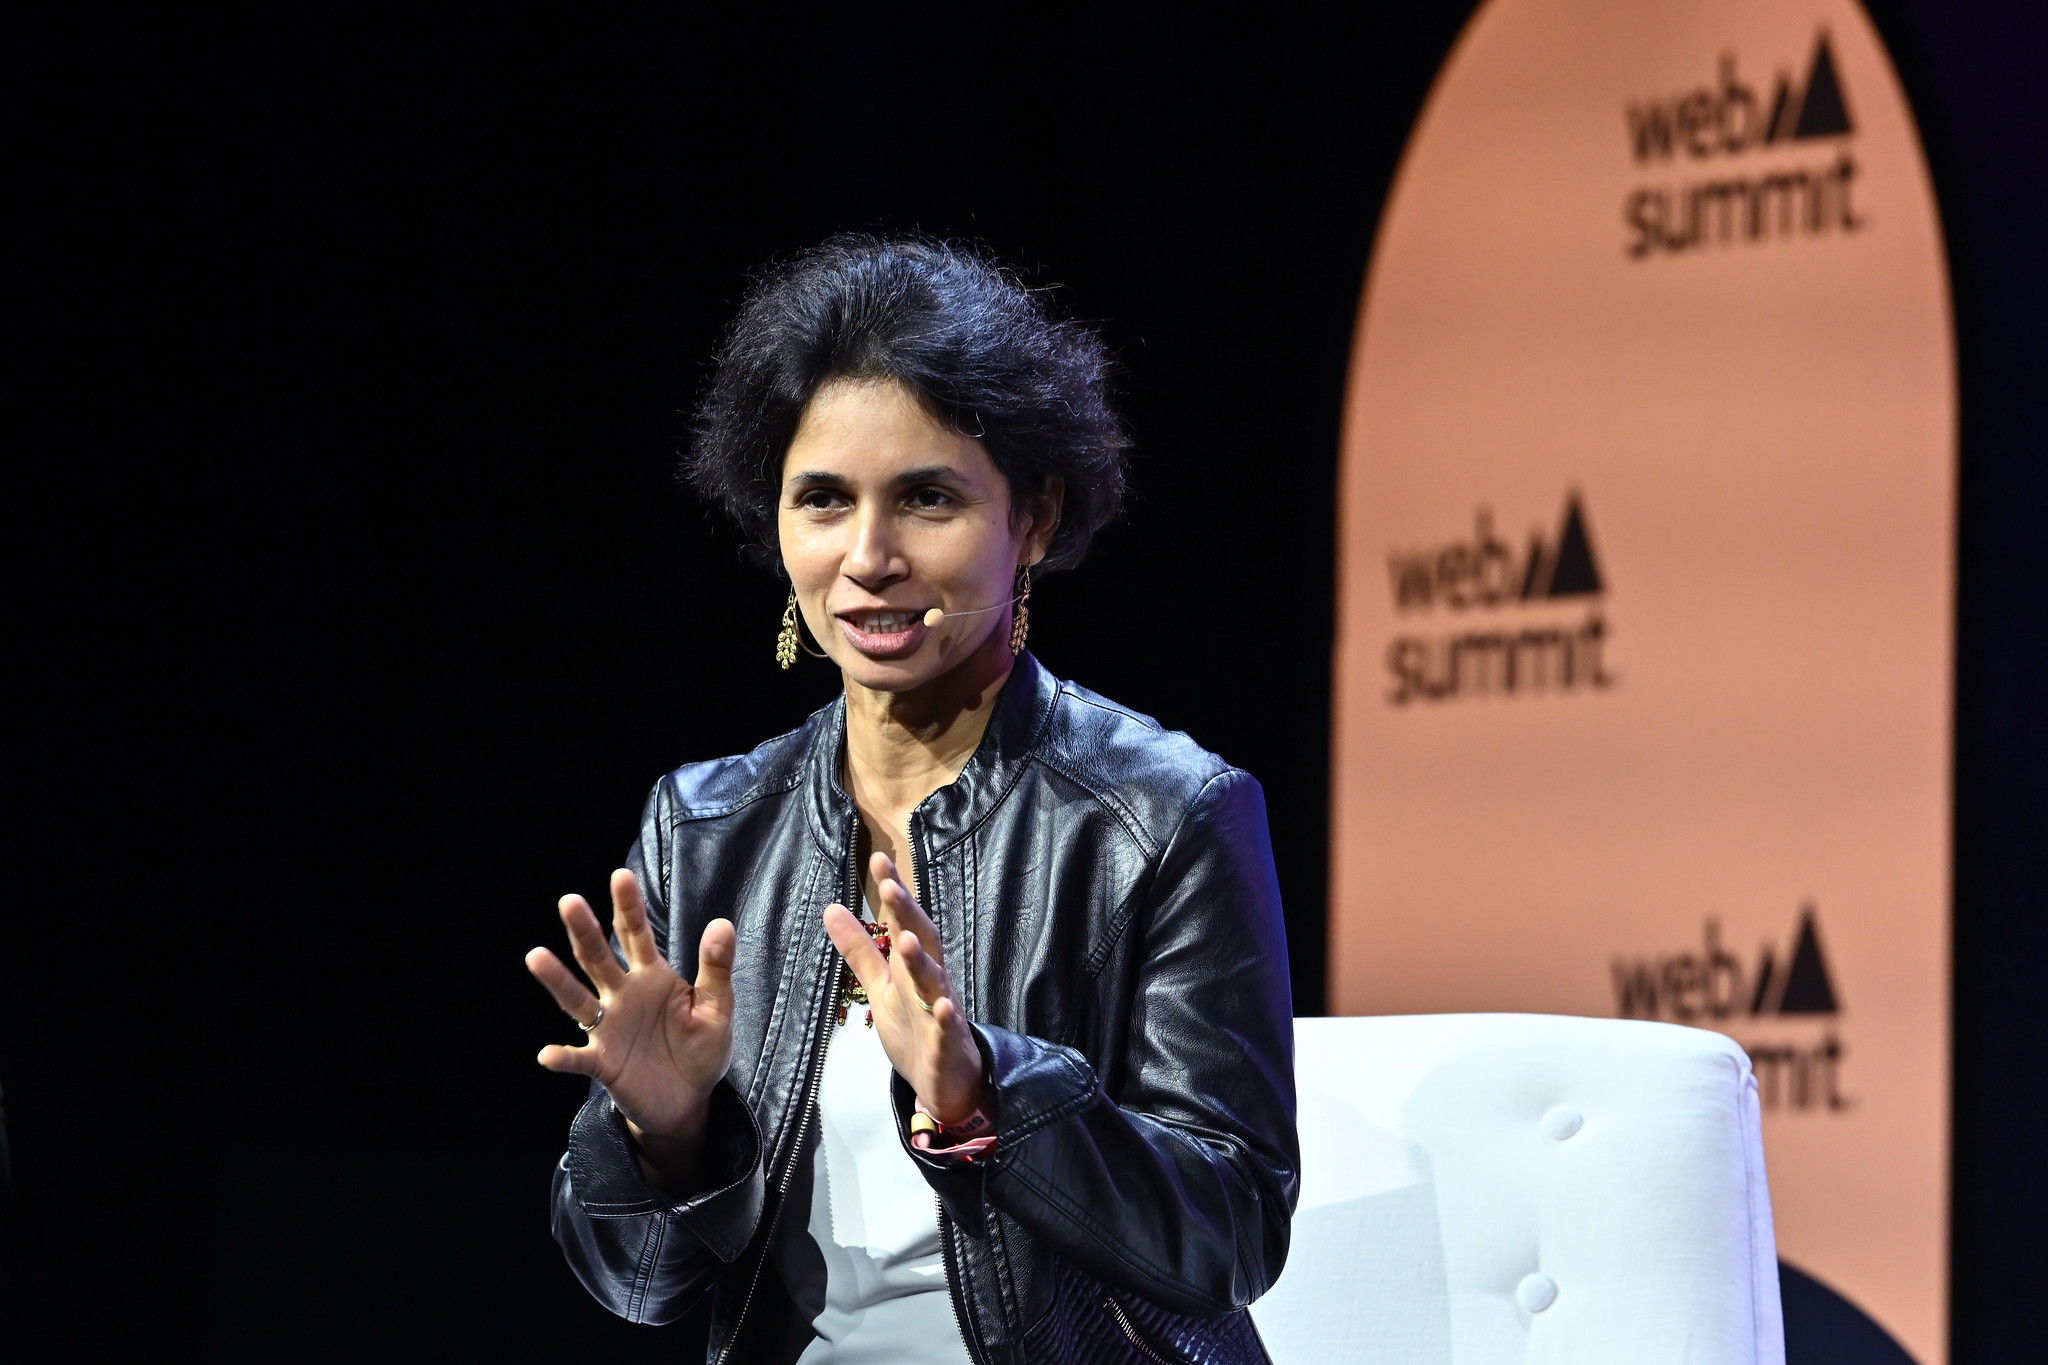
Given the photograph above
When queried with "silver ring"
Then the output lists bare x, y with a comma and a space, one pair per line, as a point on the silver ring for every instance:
593, 1023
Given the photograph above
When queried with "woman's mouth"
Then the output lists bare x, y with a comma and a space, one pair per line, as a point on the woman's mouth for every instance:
883, 634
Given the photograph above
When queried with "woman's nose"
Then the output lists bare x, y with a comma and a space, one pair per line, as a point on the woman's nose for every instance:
874, 557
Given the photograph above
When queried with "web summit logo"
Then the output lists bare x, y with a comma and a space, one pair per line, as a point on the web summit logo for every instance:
1727, 119
1548, 654
1797, 1067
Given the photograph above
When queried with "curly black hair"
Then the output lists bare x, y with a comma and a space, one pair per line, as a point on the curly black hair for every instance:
976, 347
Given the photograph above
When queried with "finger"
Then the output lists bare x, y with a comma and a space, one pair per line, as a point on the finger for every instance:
576, 1002
715, 951
924, 974
856, 947
905, 915
886, 874
587, 941
581, 1061
629, 920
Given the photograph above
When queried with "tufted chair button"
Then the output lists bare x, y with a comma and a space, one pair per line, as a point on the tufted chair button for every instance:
1560, 1122
1536, 1292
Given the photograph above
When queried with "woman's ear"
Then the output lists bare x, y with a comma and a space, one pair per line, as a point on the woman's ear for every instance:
1045, 518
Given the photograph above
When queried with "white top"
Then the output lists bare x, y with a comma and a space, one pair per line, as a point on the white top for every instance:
875, 1220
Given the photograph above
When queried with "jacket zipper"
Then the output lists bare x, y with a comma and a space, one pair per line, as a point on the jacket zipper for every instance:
806, 1096
952, 1279
1131, 1331
917, 872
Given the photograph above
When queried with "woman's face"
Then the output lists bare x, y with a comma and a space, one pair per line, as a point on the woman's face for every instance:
885, 514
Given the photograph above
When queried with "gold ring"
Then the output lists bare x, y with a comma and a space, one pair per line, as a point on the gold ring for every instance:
920, 1002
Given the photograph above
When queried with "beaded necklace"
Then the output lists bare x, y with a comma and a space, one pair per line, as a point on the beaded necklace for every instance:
851, 992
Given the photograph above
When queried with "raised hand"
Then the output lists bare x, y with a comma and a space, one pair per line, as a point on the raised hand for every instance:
911, 996
661, 1043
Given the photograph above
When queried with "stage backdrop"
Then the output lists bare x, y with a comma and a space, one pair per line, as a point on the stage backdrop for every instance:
1644, 607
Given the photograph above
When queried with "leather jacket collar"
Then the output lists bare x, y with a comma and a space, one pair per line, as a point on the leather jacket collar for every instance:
1003, 754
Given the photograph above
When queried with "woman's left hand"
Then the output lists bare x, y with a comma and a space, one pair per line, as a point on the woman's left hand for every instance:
911, 997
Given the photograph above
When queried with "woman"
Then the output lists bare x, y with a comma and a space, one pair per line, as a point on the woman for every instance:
987, 1052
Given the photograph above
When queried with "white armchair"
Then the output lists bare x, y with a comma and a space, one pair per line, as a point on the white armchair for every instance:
1481, 1188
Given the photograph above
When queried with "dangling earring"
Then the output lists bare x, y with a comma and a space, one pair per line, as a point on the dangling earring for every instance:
792, 637
785, 643
1020, 620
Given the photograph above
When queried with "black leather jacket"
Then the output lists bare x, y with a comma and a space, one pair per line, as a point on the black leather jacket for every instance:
1105, 895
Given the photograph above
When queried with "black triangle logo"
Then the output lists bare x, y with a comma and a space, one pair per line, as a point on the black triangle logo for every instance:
1766, 978
1822, 112
1784, 112
1807, 988
1536, 578
1574, 574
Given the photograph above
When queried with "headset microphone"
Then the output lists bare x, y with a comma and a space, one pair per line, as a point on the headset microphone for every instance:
934, 616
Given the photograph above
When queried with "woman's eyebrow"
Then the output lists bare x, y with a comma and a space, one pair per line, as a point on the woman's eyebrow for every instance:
927, 475
819, 478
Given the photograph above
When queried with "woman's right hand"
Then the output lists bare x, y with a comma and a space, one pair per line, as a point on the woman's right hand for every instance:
662, 1043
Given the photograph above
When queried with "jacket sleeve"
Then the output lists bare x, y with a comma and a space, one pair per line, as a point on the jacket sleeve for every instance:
1180, 1185
645, 1256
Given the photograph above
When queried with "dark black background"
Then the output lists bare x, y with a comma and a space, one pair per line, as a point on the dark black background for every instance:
355, 605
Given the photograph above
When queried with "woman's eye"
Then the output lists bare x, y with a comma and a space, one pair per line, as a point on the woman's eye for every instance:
928, 498
819, 500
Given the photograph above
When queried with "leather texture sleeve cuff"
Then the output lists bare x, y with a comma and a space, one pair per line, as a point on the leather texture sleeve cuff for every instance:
1034, 1083
605, 1174
1031, 1084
